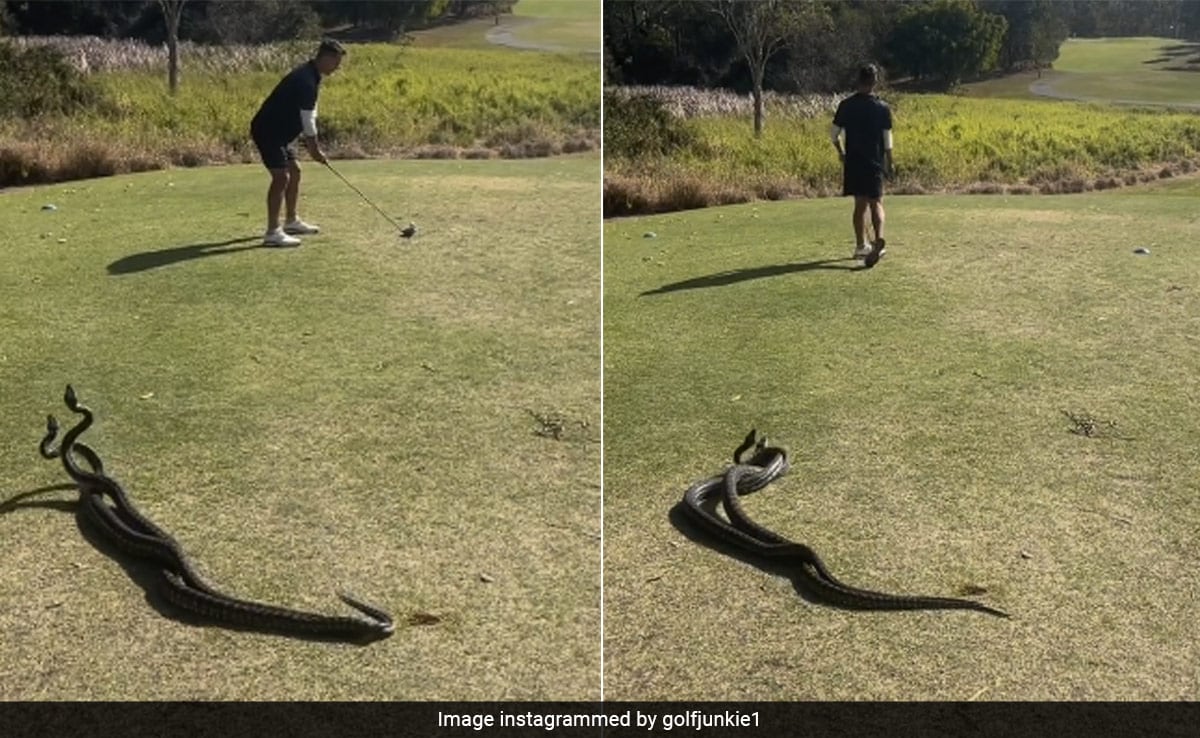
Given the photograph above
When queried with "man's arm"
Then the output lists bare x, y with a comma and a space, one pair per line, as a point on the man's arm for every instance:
887, 152
308, 122
887, 142
835, 134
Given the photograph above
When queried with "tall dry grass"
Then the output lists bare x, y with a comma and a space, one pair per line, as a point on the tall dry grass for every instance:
943, 144
385, 101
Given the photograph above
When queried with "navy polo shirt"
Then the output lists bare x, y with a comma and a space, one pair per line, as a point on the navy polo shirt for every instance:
278, 120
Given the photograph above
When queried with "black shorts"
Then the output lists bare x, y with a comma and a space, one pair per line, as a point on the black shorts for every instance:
862, 180
275, 154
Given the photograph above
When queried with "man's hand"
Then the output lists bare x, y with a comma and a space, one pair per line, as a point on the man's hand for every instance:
314, 150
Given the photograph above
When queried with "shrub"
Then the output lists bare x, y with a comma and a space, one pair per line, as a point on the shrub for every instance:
39, 81
637, 126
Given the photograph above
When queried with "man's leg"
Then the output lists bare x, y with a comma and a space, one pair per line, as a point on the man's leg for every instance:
292, 193
878, 246
275, 159
860, 225
876, 205
275, 195
293, 224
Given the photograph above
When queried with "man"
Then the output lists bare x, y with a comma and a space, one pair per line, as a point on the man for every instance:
867, 122
291, 110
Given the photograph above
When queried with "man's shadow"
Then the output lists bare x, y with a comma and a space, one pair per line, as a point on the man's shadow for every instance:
164, 257
721, 279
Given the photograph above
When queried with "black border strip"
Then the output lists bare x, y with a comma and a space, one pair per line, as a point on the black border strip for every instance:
432, 719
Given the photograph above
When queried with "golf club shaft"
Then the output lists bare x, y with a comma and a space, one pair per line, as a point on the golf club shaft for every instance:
364, 197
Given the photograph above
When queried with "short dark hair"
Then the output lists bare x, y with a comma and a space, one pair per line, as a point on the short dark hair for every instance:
868, 74
330, 46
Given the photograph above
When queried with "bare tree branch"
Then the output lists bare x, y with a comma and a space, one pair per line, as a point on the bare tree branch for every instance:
760, 28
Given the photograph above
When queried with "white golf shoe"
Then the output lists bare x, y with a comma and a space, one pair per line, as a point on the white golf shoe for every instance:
862, 251
278, 238
298, 227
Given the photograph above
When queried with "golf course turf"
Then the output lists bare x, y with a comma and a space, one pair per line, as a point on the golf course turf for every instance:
935, 410
362, 412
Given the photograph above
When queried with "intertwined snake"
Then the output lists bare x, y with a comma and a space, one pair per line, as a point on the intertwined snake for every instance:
181, 584
766, 465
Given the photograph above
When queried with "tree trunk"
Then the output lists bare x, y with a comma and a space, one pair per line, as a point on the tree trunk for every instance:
758, 102
173, 62
172, 13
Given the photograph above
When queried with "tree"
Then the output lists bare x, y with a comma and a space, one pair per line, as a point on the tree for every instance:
1036, 30
665, 42
947, 40
262, 21
1048, 36
761, 28
172, 12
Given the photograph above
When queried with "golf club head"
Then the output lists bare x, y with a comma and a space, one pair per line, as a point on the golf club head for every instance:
409, 231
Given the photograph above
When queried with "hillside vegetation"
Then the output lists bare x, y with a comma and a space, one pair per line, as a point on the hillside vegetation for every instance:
386, 100
703, 153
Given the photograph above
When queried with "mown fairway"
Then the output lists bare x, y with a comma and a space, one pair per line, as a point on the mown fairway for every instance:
1155, 71
358, 412
925, 405
566, 26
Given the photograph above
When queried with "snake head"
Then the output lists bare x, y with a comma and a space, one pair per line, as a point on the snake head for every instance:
747, 444
70, 398
51, 433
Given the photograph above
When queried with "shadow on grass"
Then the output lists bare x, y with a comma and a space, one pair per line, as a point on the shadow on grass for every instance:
17, 501
145, 574
164, 257
722, 279
799, 574
1181, 49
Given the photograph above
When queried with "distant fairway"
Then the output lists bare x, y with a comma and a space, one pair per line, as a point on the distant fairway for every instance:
1153, 71
361, 412
566, 25
563, 26
925, 405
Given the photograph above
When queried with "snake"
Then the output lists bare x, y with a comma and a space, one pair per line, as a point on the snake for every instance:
180, 583
768, 464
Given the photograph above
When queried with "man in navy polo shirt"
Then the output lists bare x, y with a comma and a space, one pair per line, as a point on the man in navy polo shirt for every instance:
291, 110
867, 123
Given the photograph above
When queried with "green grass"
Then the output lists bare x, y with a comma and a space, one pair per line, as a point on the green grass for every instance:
386, 100
943, 142
572, 25
923, 406
1156, 71
389, 97
1115, 55
358, 412
569, 26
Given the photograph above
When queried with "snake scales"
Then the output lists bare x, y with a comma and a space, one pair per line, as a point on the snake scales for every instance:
766, 465
181, 584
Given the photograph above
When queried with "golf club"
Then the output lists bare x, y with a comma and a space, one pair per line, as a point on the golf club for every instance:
405, 232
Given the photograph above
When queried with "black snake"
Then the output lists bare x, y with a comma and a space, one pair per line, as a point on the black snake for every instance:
766, 465
181, 584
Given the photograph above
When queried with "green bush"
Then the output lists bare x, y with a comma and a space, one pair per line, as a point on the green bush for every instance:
40, 81
637, 126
